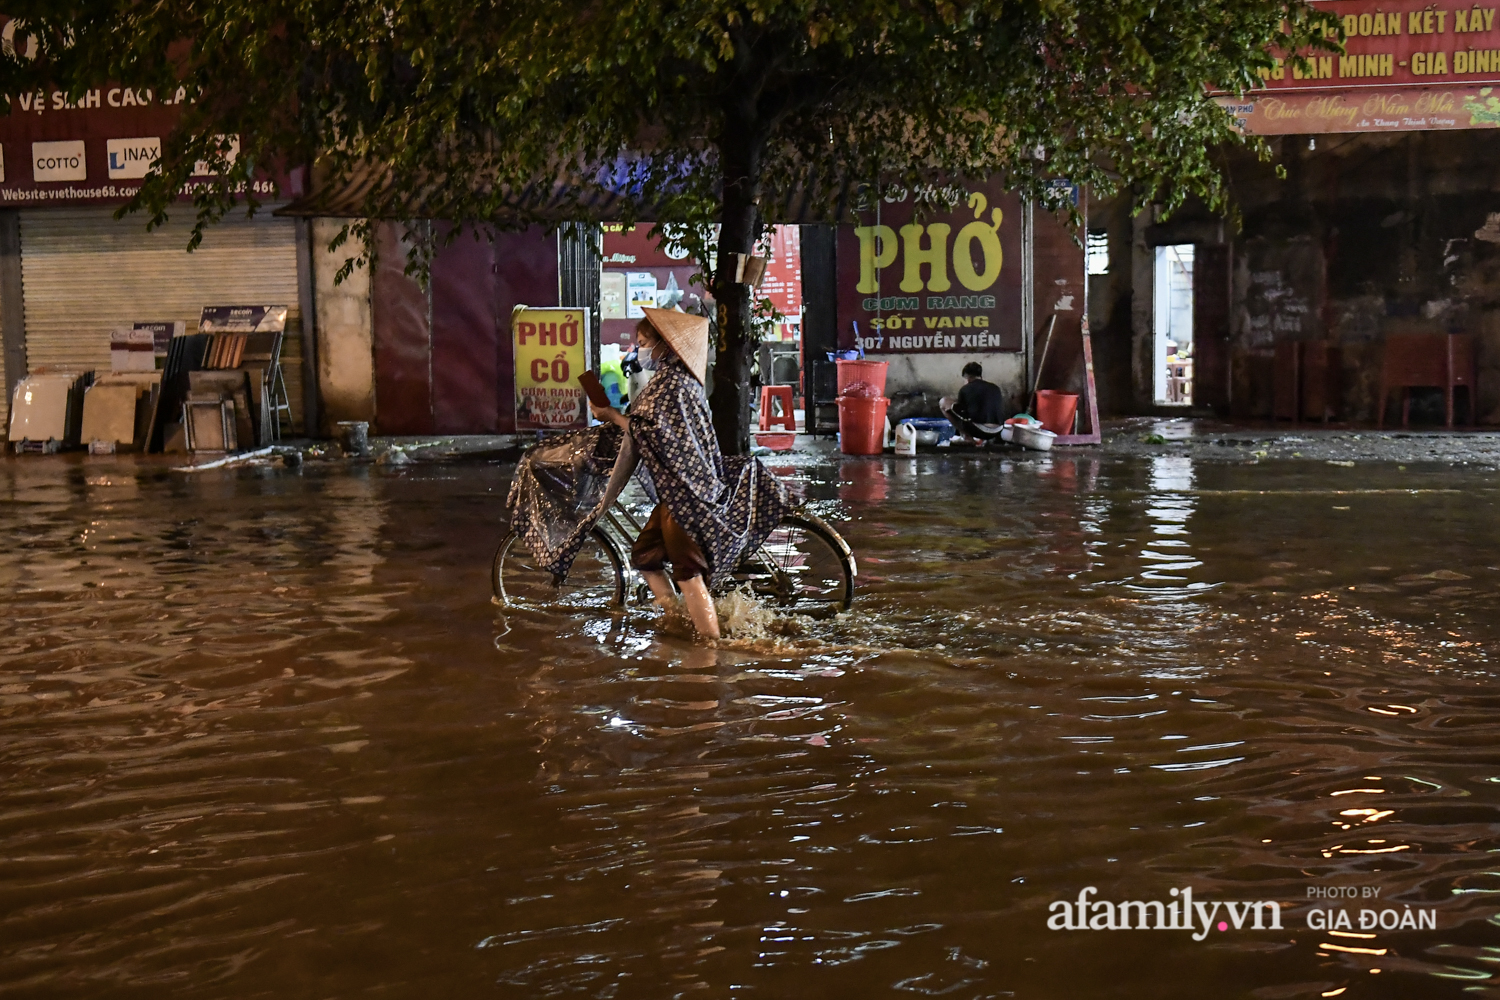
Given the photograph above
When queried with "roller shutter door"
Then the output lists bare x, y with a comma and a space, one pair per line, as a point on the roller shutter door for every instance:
84, 273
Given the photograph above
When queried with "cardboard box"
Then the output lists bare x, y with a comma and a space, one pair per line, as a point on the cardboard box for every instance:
132, 351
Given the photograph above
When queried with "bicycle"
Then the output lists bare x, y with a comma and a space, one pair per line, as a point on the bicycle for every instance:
803, 567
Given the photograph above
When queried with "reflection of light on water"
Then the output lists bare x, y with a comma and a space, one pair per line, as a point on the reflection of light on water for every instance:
864, 481
1171, 472
1167, 557
1169, 506
356, 553
1370, 815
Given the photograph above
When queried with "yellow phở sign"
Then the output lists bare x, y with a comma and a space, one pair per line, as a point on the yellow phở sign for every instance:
551, 350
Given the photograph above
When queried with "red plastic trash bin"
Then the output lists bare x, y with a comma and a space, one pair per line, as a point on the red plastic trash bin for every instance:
1056, 409
862, 424
870, 372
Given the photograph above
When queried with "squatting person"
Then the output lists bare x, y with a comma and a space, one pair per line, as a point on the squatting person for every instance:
979, 412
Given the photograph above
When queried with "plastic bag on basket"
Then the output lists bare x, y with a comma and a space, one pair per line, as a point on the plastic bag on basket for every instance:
560, 488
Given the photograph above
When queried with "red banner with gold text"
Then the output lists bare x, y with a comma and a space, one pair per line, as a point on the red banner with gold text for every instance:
1408, 65
1400, 43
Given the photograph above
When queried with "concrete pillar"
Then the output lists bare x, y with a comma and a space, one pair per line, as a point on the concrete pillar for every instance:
307, 309
12, 311
1142, 311
345, 331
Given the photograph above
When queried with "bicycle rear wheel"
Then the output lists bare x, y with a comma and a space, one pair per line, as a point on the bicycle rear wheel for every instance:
597, 578
804, 566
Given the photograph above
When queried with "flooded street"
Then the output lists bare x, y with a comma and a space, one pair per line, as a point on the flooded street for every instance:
265, 734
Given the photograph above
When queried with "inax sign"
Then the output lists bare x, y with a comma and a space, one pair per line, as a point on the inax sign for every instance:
131, 159
58, 161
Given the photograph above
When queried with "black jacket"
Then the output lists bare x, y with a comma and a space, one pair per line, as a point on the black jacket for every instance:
981, 402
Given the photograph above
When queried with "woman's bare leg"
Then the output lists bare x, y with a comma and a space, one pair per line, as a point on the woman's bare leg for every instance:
700, 607
661, 589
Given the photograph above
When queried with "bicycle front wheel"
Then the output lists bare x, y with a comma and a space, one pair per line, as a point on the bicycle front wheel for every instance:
804, 566
597, 578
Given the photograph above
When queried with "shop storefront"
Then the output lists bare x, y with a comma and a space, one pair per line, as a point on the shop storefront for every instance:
1360, 273
929, 281
442, 353
415, 358
71, 274
85, 274
637, 270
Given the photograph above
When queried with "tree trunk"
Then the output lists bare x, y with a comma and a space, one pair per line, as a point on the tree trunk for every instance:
741, 153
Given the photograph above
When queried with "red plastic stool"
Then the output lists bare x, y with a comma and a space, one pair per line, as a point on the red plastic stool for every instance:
788, 418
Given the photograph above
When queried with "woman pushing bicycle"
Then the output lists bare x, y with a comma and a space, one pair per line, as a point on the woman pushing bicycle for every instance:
709, 510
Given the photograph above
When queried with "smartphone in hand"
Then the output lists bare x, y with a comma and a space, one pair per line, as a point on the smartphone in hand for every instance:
594, 389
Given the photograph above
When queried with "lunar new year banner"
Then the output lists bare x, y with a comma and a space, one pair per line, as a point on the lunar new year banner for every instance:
933, 271
1397, 109
1408, 65
551, 351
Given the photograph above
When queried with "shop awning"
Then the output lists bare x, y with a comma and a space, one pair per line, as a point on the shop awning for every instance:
561, 200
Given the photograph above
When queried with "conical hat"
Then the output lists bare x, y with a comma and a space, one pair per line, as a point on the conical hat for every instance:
686, 334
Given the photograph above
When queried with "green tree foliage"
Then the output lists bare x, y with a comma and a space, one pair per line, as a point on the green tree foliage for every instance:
685, 111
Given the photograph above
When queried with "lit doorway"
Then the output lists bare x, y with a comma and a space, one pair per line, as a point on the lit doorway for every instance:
1172, 349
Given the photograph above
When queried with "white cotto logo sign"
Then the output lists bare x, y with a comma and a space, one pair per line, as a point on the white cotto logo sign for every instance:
58, 161
132, 158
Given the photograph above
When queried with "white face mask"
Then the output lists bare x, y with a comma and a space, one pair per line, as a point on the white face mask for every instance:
644, 357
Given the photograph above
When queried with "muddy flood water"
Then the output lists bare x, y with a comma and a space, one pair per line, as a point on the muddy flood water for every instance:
264, 734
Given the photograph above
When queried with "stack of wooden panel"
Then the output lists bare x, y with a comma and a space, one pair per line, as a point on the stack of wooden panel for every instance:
118, 410
225, 350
